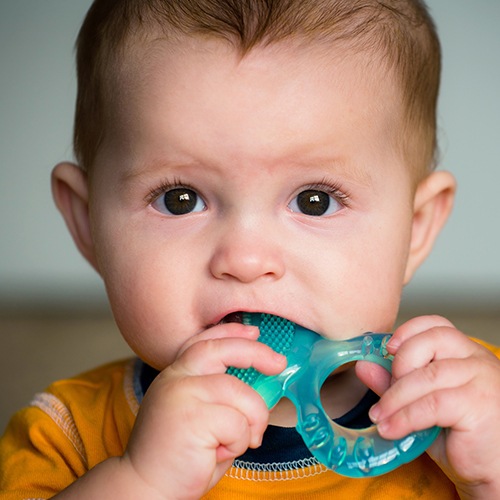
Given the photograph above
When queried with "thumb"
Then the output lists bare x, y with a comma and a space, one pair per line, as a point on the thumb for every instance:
374, 376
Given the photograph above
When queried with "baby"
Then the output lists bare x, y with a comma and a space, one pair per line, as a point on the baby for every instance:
262, 156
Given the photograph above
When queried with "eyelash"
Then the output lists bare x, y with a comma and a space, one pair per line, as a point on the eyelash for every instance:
331, 188
165, 186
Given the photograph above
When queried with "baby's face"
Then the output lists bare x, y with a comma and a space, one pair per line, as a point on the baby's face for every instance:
270, 183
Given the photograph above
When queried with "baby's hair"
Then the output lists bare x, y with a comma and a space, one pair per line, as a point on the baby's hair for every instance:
398, 33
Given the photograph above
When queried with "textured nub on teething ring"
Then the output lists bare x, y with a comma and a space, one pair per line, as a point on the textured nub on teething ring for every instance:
276, 332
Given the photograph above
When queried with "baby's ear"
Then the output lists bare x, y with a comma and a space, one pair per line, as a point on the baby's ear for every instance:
71, 195
432, 206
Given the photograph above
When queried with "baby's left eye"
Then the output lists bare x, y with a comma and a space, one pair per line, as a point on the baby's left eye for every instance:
315, 203
179, 201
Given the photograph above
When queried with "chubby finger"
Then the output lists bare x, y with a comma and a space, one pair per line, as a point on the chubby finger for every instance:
230, 392
438, 408
238, 416
374, 376
192, 401
232, 438
226, 330
434, 344
415, 326
217, 354
419, 384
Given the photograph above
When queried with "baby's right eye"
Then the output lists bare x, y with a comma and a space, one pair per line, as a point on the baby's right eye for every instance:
179, 201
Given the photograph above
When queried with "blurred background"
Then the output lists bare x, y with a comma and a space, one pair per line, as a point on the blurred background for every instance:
54, 320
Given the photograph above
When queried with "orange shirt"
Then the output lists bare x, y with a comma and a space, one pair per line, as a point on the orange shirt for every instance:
79, 422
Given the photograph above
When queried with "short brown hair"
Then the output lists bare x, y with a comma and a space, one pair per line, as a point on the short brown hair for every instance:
401, 31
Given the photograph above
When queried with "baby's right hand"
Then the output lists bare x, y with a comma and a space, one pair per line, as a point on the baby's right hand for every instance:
195, 419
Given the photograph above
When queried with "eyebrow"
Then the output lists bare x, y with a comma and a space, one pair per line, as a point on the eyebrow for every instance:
156, 164
337, 166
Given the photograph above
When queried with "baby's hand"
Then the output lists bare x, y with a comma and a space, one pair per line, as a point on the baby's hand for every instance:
441, 377
195, 419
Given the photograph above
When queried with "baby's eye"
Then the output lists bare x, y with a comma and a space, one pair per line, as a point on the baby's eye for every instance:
179, 201
315, 203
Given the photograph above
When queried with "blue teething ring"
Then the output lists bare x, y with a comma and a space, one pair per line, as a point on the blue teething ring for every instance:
311, 360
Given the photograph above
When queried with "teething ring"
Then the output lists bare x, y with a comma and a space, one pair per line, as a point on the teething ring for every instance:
311, 360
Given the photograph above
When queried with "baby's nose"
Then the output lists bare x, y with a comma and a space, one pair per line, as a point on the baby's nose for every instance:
247, 257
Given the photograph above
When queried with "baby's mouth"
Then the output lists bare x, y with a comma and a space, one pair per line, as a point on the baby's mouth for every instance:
234, 317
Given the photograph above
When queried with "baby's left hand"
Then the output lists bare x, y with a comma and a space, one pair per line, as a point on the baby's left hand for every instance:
441, 377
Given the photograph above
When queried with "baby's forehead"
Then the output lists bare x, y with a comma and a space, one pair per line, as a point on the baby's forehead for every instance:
269, 106
398, 36
197, 59
146, 55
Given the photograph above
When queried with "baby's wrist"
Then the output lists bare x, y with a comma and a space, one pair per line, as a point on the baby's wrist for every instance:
113, 478
136, 485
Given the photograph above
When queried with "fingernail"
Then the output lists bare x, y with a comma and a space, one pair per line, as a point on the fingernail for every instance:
374, 413
252, 331
393, 345
280, 358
